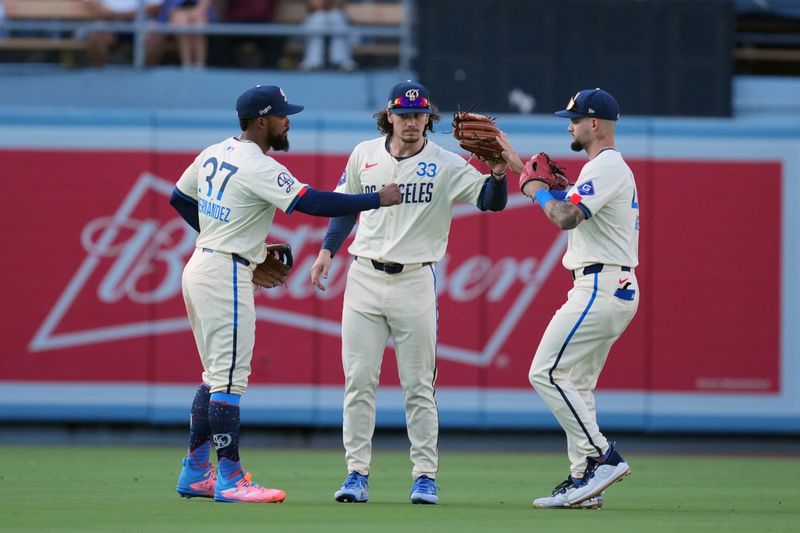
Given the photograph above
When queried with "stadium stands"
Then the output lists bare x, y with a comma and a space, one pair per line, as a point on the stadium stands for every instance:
382, 29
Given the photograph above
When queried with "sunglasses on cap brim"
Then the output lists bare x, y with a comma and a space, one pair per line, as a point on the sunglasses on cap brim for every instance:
404, 102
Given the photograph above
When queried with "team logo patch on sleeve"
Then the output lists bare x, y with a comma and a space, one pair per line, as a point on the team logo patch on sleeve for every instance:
586, 189
285, 181
342, 179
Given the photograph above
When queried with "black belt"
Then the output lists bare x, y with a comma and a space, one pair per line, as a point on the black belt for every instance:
594, 269
391, 268
236, 257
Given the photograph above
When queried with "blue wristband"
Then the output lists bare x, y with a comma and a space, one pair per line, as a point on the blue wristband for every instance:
542, 197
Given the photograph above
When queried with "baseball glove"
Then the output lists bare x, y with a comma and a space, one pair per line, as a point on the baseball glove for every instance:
476, 134
274, 269
541, 168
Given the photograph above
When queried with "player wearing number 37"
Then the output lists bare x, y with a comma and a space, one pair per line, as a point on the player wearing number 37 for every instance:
601, 212
391, 283
229, 194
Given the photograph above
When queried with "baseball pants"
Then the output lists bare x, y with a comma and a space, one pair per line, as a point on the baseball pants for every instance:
403, 305
572, 353
218, 293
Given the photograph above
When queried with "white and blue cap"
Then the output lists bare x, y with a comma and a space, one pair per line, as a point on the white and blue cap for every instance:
409, 97
263, 100
595, 103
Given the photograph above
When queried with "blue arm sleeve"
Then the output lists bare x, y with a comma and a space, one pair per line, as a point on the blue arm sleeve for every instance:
186, 206
494, 195
334, 204
338, 230
559, 195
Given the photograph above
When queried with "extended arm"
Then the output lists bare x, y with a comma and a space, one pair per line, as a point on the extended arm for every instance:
565, 215
334, 204
494, 194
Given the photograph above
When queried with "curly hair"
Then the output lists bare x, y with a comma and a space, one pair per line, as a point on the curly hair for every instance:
385, 127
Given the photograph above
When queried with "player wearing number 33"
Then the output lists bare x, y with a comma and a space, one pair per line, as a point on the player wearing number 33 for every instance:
391, 284
229, 194
601, 212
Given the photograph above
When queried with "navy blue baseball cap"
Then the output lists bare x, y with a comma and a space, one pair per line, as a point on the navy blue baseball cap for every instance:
594, 103
409, 97
264, 100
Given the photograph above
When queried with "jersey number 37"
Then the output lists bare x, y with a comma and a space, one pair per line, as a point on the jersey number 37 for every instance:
224, 167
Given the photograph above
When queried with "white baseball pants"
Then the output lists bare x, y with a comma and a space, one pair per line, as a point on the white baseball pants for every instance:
403, 305
218, 293
572, 353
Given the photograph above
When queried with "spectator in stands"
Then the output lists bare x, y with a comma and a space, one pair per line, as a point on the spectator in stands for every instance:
192, 48
248, 51
2, 18
100, 43
327, 14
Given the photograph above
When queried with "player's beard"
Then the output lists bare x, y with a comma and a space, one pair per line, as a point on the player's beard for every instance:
280, 142
576, 146
410, 136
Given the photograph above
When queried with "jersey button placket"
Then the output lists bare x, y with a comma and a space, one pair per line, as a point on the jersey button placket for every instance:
391, 219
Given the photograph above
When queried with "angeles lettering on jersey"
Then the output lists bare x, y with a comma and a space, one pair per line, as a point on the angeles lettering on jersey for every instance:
411, 193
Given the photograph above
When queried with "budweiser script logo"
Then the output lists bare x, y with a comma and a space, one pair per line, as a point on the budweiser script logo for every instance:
151, 245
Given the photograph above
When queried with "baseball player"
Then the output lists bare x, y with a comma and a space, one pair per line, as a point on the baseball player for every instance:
601, 212
229, 194
391, 283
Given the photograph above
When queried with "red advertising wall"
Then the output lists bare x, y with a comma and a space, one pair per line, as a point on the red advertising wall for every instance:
109, 308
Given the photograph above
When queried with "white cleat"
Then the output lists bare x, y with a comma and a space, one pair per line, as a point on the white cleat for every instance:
561, 498
601, 473
591, 503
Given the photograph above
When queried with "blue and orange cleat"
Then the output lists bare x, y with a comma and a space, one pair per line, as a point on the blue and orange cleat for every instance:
240, 488
196, 482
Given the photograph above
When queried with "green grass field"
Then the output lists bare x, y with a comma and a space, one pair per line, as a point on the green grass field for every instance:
133, 489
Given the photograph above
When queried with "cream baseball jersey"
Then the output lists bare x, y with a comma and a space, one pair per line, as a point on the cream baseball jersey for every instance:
606, 191
415, 231
238, 188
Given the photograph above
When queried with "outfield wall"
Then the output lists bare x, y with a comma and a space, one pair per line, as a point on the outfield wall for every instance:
103, 336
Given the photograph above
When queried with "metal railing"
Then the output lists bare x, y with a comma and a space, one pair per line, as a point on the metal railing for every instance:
141, 26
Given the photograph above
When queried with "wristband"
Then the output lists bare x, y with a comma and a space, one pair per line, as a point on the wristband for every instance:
542, 197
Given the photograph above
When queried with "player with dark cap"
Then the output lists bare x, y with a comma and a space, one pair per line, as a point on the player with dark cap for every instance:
601, 214
229, 194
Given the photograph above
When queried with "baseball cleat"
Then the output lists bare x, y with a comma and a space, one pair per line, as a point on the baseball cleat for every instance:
242, 489
550, 503
561, 496
196, 483
355, 489
591, 503
601, 472
424, 490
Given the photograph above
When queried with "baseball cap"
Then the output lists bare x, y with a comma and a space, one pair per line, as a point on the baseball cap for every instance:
591, 103
264, 100
409, 97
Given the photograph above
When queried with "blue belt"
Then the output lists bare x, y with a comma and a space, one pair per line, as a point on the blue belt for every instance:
594, 269
236, 257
